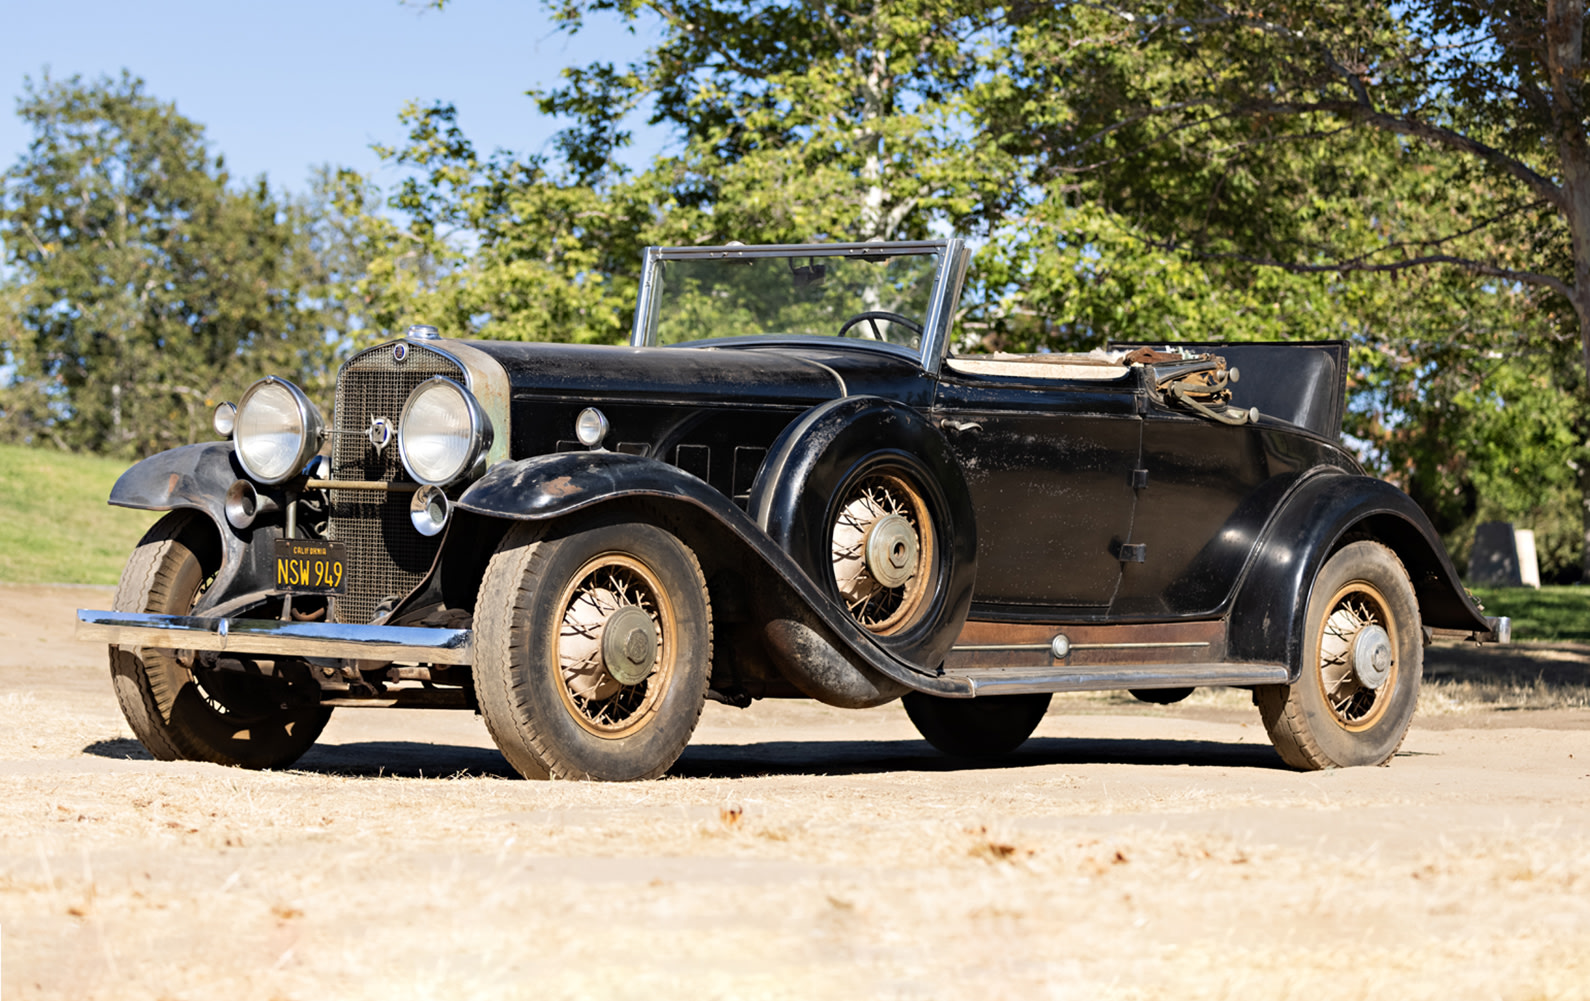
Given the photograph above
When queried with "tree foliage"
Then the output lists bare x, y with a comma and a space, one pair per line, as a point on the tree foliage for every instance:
141, 286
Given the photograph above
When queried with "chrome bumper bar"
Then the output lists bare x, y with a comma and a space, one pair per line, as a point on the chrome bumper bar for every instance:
1501, 631
270, 637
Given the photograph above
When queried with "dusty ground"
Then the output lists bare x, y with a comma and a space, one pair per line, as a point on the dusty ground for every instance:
799, 852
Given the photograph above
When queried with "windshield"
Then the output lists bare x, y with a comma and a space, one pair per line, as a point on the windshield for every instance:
880, 295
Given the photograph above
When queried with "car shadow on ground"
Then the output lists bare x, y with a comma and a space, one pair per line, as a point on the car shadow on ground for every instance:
863, 757
415, 759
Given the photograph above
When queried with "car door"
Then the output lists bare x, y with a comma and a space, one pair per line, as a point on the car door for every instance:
1049, 464
1206, 493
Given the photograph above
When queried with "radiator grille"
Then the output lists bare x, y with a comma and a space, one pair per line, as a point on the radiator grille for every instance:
386, 556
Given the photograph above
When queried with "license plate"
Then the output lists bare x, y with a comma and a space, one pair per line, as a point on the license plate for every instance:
311, 566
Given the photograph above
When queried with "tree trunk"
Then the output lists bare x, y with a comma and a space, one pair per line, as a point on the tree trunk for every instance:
1564, 51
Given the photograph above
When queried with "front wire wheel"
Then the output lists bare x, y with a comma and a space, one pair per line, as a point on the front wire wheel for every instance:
882, 550
593, 649
615, 645
1359, 683
179, 710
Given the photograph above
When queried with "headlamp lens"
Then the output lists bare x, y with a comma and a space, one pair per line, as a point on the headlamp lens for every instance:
442, 432
275, 431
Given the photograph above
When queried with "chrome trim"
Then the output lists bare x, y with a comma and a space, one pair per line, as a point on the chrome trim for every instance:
1501, 628
274, 637
1033, 680
421, 513
725, 251
646, 298
936, 325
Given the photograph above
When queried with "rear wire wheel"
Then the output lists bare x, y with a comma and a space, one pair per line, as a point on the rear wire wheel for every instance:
179, 710
593, 649
1363, 662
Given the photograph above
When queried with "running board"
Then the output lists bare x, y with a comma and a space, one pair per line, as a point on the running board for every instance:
1105, 677
269, 637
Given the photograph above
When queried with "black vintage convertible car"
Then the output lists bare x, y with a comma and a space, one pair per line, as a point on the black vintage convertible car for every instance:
794, 482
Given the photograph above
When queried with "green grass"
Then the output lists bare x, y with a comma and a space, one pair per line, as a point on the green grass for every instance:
1549, 614
55, 527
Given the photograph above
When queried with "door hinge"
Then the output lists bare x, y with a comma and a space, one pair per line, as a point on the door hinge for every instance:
1133, 552
1139, 479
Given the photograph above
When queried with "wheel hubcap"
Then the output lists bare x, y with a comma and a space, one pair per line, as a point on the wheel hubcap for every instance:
1357, 657
629, 645
1372, 656
891, 550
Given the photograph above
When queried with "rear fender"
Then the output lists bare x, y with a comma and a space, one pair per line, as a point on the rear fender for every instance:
196, 477
1325, 510
838, 662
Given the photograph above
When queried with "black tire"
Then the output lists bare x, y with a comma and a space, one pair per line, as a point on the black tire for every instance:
186, 713
1349, 706
1160, 696
554, 704
976, 728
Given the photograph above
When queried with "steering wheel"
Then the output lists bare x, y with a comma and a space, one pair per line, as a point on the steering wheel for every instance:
871, 318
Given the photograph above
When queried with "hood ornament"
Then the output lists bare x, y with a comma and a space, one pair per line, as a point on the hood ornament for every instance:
380, 433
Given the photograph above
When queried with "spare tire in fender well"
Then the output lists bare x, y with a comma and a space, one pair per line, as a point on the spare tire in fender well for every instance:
794, 492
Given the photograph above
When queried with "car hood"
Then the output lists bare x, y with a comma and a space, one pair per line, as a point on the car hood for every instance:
582, 370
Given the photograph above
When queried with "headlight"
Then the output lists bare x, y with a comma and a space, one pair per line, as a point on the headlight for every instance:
277, 430
442, 433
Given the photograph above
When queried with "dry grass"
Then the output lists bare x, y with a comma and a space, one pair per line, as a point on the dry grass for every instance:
137, 879
1130, 851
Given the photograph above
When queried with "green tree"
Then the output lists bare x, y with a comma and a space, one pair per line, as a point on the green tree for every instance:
1127, 171
1334, 138
141, 287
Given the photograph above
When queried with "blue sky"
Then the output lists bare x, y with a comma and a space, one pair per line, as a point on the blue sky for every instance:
286, 85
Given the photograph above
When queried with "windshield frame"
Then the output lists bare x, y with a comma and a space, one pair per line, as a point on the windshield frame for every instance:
947, 278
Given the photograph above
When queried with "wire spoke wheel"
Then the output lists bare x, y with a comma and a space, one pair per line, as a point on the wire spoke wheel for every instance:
611, 681
1350, 688
1358, 685
593, 648
881, 547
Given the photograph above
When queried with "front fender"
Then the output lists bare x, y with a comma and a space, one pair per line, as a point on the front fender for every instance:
196, 477
1268, 617
841, 663
193, 476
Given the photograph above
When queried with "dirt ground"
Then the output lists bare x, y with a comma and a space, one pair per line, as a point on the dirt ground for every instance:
1128, 851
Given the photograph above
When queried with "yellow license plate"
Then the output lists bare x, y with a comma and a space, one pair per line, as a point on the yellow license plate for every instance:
311, 566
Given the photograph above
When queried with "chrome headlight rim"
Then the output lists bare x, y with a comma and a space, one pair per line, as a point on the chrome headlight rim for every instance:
480, 432
311, 428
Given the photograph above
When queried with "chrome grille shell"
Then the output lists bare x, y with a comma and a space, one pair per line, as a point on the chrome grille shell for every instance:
387, 558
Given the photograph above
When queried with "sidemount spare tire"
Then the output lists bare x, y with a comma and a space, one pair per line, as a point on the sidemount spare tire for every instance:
865, 495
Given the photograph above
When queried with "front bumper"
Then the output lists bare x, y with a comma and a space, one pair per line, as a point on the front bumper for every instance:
270, 637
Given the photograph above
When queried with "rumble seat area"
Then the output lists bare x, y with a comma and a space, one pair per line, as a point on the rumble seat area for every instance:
1095, 366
